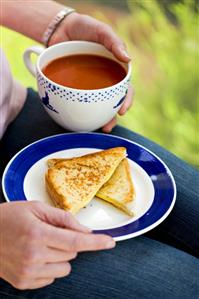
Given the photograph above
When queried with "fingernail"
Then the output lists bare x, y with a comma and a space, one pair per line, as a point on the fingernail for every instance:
126, 54
110, 244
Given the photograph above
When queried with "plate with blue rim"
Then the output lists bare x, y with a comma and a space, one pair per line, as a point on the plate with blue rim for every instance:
24, 179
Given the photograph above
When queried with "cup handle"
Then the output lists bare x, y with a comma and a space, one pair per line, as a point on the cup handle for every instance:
27, 58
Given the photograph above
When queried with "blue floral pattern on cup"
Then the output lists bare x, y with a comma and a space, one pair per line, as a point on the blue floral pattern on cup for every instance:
46, 102
84, 96
120, 101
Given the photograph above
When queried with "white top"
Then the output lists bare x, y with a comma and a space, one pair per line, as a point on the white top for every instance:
12, 95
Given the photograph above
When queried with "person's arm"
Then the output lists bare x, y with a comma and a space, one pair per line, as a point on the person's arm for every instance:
32, 18
29, 17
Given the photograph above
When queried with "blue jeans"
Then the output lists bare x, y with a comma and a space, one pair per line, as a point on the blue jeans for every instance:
162, 263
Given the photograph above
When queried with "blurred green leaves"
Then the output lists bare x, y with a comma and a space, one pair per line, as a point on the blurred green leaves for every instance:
165, 75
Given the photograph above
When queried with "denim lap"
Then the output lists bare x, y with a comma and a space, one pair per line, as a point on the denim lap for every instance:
162, 263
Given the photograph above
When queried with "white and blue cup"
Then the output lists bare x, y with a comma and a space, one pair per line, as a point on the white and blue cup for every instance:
76, 109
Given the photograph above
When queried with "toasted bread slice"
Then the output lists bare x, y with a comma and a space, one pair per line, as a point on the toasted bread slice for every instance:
52, 162
127, 207
119, 189
72, 183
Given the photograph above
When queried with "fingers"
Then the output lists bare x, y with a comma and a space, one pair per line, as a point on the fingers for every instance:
108, 127
125, 107
119, 50
56, 256
83, 27
37, 277
54, 270
48, 255
112, 42
30, 276
128, 102
64, 239
60, 218
34, 284
38, 283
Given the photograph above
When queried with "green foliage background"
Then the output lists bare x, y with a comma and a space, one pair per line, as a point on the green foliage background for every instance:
165, 52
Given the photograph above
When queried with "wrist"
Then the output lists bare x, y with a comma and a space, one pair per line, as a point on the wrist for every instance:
61, 32
55, 23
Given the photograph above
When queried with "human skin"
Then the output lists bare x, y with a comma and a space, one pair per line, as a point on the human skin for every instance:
37, 243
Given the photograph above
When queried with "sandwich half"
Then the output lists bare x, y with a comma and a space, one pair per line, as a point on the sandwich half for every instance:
119, 189
72, 183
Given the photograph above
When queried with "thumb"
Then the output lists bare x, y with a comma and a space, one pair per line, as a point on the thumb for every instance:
59, 218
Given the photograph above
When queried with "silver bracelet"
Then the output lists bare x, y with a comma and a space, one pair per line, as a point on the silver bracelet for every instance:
52, 26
